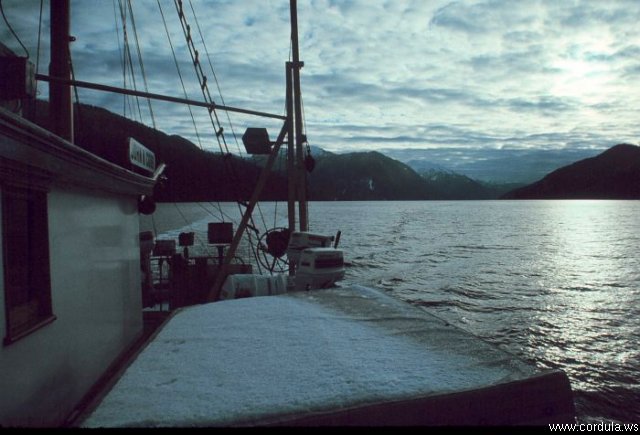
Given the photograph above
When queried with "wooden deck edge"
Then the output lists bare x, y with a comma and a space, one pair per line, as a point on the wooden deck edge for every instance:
535, 401
109, 378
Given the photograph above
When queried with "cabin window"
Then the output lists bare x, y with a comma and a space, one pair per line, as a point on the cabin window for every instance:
25, 237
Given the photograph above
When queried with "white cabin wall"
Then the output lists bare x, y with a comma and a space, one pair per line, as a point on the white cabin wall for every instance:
3, 319
96, 297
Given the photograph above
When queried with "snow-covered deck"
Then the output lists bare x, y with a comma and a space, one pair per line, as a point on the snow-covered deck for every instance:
340, 356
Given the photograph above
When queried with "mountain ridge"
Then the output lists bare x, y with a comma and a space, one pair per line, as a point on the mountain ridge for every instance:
613, 174
197, 175
492, 165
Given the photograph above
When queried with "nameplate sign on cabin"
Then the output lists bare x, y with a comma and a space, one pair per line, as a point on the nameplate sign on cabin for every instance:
140, 156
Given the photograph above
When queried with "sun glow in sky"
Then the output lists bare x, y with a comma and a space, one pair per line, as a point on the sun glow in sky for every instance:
469, 74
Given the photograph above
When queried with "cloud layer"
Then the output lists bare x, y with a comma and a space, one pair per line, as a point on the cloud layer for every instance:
473, 75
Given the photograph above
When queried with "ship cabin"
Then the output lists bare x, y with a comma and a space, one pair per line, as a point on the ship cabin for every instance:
70, 273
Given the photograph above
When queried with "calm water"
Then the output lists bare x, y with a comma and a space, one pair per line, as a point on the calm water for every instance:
555, 282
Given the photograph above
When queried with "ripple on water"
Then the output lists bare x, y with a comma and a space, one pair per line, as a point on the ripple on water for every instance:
554, 282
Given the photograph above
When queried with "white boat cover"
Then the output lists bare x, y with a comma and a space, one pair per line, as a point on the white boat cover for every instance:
338, 356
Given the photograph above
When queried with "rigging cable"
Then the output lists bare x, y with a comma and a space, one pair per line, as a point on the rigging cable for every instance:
140, 62
127, 50
190, 225
281, 166
35, 106
126, 100
202, 79
121, 56
222, 214
215, 77
308, 160
75, 89
12, 31
153, 223
144, 76
217, 85
224, 217
213, 116
175, 59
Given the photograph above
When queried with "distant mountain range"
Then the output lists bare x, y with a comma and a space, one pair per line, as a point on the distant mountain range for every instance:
614, 174
197, 175
495, 166
451, 185
374, 176
365, 176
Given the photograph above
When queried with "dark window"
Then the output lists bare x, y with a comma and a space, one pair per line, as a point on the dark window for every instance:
329, 263
25, 236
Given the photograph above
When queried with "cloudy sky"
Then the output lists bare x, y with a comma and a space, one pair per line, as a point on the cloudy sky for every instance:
485, 74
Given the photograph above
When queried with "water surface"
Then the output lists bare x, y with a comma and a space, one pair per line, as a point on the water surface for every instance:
555, 282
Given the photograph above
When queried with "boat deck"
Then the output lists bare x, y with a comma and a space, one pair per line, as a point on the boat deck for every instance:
344, 356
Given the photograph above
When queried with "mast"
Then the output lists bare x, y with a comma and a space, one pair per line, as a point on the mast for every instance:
60, 108
292, 129
291, 172
301, 175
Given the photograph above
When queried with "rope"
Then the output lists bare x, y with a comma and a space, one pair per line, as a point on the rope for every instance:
153, 223
34, 106
190, 224
217, 85
38, 46
144, 76
202, 78
75, 89
12, 31
222, 214
304, 129
127, 50
281, 163
213, 116
215, 77
175, 59
121, 56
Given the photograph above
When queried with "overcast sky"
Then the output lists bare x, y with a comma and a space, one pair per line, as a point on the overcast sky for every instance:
378, 74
